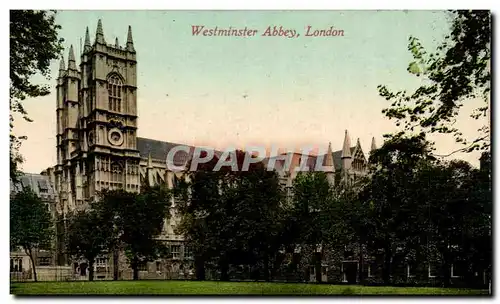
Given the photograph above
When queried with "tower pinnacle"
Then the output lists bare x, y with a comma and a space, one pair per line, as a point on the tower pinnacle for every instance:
99, 35
71, 59
62, 67
346, 148
373, 147
358, 143
130, 42
150, 161
329, 156
87, 45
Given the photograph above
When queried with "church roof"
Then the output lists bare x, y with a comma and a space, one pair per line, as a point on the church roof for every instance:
337, 158
40, 184
159, 150
311, 161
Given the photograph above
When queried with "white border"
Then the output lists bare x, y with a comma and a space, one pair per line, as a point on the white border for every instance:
199, 4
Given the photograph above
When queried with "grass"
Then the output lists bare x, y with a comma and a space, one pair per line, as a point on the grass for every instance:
220, 288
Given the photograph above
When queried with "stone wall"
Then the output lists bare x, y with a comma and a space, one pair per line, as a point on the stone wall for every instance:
54, 273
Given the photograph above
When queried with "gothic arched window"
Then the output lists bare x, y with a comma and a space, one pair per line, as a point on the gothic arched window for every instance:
115, 93
116, 172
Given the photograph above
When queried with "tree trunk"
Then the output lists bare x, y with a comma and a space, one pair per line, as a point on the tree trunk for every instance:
115, 264
91, 269
361, 261
224, 270
317, 266
278, 260
29, 252
306, 274
387, 265
266, 267
446, 270
200, 268
135, 270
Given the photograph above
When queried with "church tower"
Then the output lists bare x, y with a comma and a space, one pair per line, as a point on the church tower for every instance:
68, 131
109, 114
97, 121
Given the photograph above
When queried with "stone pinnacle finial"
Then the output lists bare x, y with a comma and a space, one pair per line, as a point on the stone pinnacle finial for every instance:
130, 41
329, 156
62, 67
71, 59
87, 46
117, 45
374, 146
99, 35
346, 149
150, 161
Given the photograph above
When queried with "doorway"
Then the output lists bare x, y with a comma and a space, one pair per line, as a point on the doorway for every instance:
350, 272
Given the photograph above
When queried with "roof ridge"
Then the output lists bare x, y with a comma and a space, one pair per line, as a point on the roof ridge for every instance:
162, 141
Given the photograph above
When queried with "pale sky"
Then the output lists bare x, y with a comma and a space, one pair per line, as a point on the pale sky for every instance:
234, 91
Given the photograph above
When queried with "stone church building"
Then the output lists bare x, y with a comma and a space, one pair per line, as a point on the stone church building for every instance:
98, 148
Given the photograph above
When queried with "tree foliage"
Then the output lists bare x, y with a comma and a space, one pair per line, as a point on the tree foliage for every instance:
30, 224
138, 220
231, 217
457, 72
89, 234
34, 43
421, 210
392, 215
312, 216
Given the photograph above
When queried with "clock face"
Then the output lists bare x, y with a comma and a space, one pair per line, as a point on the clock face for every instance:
115, 137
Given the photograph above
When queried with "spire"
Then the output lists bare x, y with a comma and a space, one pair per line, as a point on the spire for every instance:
130, 42
62, 68
117, 45
329, 156
61, 64
346, 149
330, 164
373, 147
99, 35
71, 59
87, 45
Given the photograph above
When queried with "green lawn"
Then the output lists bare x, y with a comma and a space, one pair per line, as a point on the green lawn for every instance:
220, 288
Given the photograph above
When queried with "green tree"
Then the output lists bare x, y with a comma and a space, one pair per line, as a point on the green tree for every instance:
232, 217
426, 211
312, 216
138, 220
257, 196
352, 213
457, 72
393, 220
196, 198
457, 217
88, 235
30, 224
34, 43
